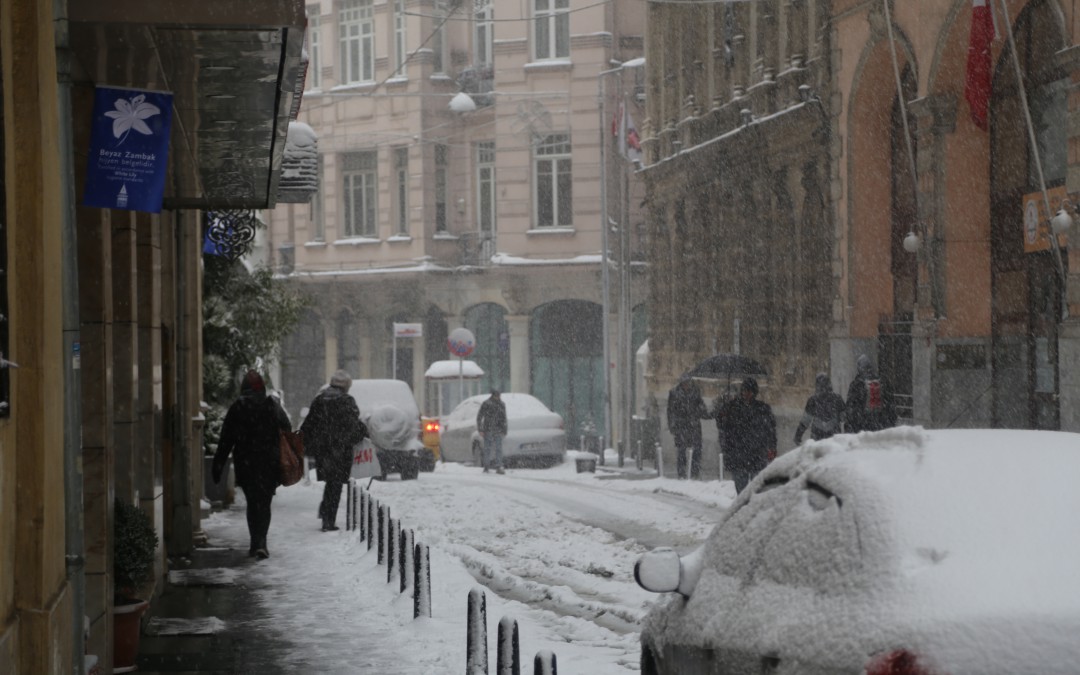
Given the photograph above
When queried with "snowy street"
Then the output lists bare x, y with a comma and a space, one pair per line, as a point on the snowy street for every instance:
552, 548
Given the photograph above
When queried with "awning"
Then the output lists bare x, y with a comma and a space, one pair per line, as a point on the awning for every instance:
236, 72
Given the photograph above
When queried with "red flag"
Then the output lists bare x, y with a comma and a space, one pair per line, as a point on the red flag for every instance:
977, 82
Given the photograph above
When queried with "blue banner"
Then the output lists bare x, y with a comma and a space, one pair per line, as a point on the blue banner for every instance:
129, 149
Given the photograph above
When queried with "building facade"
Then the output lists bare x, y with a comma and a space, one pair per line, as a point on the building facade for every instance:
842, 218
738, 173
466, 156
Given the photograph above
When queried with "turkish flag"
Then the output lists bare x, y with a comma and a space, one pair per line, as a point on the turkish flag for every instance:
977, 81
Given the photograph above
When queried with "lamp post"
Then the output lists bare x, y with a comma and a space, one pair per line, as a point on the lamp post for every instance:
624, 334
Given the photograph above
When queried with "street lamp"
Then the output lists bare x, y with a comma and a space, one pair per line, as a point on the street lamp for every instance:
911, 242
624, 294
1063, 221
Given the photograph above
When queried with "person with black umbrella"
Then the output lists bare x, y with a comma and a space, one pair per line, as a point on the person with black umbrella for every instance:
685, 410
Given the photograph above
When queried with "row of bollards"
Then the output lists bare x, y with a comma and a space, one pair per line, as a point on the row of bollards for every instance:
508, 645
396, 548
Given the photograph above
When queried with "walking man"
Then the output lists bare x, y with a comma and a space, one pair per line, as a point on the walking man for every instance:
824, 413
491, 423
331, 429
685, 410
869, 400
749, 434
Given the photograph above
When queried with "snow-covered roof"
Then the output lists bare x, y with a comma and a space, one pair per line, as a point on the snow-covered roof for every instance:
452, 369
299, 165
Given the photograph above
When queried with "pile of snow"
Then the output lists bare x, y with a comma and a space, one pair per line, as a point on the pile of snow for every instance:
391, 428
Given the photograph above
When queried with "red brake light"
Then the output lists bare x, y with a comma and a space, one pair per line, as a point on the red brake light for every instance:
431, 426
898, 662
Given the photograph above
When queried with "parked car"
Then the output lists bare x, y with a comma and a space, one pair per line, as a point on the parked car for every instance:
902, 552
535, 435
391, 414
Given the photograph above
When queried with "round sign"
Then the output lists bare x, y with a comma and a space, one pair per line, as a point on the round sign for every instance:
461, 342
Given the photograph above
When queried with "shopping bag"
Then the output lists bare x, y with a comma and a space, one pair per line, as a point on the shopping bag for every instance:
291, 447
365, 461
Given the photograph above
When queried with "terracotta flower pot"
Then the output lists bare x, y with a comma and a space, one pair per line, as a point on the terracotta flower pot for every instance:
126, 630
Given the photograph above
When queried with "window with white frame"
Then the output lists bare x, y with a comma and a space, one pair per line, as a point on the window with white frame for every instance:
554, 181
314, 47
483, 32
552, 29
359, 181
318, 229
401, 194
399, 38
440, 188
438, 41
485, 186
356, 33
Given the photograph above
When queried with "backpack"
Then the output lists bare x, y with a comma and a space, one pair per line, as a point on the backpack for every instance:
875, 401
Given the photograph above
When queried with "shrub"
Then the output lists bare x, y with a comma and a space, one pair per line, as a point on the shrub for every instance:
134, 545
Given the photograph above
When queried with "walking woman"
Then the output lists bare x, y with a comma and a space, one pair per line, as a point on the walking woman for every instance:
250, 433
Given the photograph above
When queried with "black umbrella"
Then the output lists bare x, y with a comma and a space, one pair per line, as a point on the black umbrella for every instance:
725, 366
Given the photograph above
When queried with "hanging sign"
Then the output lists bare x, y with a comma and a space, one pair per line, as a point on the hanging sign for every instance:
129, 149
1037, 221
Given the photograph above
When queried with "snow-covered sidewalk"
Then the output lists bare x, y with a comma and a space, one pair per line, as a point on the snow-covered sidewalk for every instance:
553, 549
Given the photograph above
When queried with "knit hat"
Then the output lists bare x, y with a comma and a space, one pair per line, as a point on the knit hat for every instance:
341, 380
252, 382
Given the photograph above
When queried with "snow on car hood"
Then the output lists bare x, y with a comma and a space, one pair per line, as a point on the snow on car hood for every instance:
960, 545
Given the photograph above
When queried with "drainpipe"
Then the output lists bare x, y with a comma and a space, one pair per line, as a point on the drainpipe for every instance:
73, 475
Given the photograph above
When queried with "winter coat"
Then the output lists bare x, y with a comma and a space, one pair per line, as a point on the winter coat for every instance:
824, 412
250, 434
685, 410
749, 433
869, 401
331, 429
492, 417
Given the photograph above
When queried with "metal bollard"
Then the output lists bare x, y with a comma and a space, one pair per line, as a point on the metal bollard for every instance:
384, 531
364, 500
406, 559
476, 659
639, 463
355, 508
659, 461
373, 506
600, 451
508, 653
622, 453
421, 581
545, 663
348, 505
391, 548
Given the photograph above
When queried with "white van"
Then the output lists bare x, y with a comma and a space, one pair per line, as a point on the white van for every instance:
391, 414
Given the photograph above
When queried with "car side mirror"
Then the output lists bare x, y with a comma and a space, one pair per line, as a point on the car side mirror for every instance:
658, 570
663, 571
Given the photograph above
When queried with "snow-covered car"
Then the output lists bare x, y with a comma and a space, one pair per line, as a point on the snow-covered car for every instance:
905, 551
534, 437
391, 414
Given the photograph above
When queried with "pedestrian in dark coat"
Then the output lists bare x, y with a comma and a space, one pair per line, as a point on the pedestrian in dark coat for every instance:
331, 429
685, 410
749, 434
824, 413
250, 434
492, 425
869, 401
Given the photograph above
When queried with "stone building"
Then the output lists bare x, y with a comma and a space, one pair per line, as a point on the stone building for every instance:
738, 175
460, 150
827, 234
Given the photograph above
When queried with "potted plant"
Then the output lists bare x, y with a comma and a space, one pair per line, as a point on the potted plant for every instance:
134, 545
